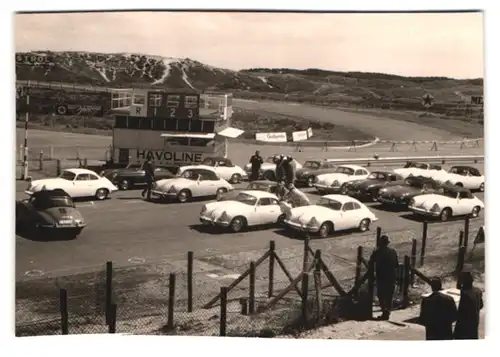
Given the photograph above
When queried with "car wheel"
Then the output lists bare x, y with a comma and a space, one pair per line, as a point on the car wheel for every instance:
220, 192
270, 176
101, 194
124, 185
475, 211
184, 196
310, 181
445, 214
344, 189
237, 224
481, 188
281, 219
364, 225
235, 179
325, 230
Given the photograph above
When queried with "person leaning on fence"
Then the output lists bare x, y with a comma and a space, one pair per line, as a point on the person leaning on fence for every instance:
386, 264
438, 312
469, 307
256, 162
149, 170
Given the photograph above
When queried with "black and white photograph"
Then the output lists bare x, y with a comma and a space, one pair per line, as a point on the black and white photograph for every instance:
235, 173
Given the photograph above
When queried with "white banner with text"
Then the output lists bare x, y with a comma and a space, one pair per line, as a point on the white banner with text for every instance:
271, 137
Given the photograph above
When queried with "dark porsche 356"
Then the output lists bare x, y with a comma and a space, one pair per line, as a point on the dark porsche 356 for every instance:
400, 195
133, 176
49, 211
260, 185
306, 175
369, 188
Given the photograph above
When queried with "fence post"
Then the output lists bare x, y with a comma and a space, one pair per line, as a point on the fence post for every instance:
190, 281
425, 226
317, 281
460, 239
272, 249
63, 305
244, 306
223, 311
171, 300
413, 259
466, 232
305, 263
460, 263
40, 160
406, 282
305, 288
379, 234
58, 167
109, 290
112, 319
359, 259
371, 289
251, 297
85, 162
51, 152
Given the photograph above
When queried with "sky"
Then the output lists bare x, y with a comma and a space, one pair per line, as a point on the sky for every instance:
448, 44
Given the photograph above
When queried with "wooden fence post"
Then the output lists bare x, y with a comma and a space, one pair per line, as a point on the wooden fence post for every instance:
379, 234
413, 259
460, 239
63, 306
425, 226
359, 264
112, 319
371, 289
466, 232
190, 257
223, 311
460, 263
109, 290
251, 297
305, 290
85, 162
58, 167
171, 300
305, 262
317, 282
40, 161
272, 249
244, 306
406, 281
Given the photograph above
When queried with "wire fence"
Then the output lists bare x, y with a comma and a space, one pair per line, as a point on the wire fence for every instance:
260, 295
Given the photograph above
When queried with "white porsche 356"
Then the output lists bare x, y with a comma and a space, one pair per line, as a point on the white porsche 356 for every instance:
248, 208
447, 202
337, 181
424, 169
191, 182
331, 214
226, 169
463, 176
77, 183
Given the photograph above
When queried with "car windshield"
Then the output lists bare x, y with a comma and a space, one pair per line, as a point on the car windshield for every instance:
208, 162
258, 186
332, 204
67, 175
344, 170
447, 193
312, 165
246, 198
418, 165
372, 176
53, 202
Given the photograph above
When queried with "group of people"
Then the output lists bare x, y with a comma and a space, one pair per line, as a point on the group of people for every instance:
438, 311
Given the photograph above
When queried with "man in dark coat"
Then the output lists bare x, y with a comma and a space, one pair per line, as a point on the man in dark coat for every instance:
256, 162
438, 312
288, 170
469, 307
149, 170
280, 169
386, 265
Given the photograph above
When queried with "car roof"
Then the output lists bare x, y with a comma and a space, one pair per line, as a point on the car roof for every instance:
340, 198
264, 182
455, 188
78, 171
58, 192
353, 167
464, 167
383, 172
215, 158
197, 167
259, 194
420, 178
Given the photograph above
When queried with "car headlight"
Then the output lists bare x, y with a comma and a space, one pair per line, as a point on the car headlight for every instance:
435, 208
336, 183
172, 190
313, 222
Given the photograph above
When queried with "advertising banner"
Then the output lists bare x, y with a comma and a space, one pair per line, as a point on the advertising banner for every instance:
271, 137
299, 135
309, 133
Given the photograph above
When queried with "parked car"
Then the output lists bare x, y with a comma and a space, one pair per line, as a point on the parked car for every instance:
133, 176
249, 208
414, 168
226, 169
268, 169
464, 176
369, 187
191, 182
312, 168
77, 183
447, 202
332, 213
49, 212
400, 195
338, 181
260, 185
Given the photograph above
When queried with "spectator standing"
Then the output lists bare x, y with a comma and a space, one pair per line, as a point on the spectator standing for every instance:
256, 162
149, 170
438, 312
469, 307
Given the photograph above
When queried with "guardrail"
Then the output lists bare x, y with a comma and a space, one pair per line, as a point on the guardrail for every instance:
394, 160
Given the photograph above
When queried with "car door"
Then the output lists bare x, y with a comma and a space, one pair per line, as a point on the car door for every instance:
207, 184
267, 211
347, 217
464, 203
223, 170
360, 174
82, 186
